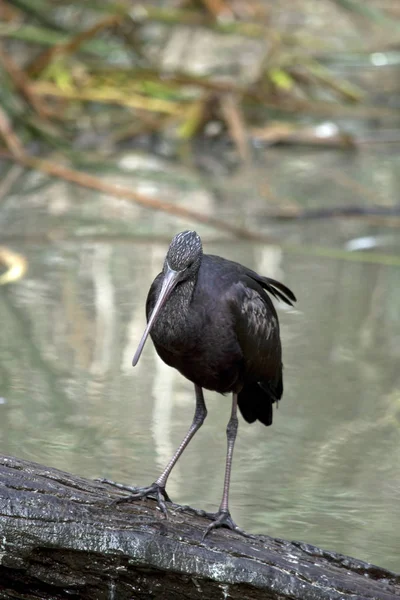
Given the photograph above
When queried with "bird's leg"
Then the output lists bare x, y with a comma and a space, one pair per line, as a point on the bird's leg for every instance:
223, 517
198, 420
157, 489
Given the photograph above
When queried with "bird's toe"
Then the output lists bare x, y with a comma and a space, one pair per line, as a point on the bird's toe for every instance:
185, 508
119, 486
154, 491
223, 519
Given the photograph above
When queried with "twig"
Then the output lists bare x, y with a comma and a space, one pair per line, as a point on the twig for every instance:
110, 95
170, 16
250, 94
37, 11
232, 114
70, 46
9, 179
354, 211
23, 84
10, 137
217, 7
95, 183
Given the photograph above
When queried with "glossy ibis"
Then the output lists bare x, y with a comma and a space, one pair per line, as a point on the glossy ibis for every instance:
213, 320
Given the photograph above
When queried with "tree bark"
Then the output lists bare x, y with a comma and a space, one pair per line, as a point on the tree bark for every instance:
62, 537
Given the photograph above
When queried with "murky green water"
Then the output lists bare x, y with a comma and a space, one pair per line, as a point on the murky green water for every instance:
328, 470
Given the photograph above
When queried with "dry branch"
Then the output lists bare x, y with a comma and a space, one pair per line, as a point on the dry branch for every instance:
119, 191
61, 537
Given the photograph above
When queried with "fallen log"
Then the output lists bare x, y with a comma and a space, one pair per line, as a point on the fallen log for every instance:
62, 537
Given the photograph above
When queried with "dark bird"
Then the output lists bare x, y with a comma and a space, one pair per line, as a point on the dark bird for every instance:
213, 320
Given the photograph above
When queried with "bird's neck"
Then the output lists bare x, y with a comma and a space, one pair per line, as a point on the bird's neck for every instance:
169, 329
181, 298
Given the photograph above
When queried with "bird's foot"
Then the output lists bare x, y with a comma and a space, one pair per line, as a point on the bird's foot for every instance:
220, 519
138, 493
223, 519
155, 491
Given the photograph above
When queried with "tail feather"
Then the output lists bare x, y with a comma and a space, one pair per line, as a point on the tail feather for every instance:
255, 402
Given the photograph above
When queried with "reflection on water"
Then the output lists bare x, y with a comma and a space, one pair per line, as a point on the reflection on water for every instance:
328, 470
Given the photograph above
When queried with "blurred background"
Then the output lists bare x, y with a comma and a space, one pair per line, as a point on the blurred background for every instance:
273, 130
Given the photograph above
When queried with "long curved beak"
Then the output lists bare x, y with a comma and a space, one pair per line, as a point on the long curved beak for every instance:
170, 280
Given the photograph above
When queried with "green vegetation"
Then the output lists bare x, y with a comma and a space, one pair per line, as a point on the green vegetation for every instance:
117, 70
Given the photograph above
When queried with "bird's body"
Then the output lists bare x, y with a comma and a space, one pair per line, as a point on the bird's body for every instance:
213, 320
222, 333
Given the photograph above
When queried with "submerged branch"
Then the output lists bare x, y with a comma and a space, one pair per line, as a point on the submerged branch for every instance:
95, 183
119, 191
63, 537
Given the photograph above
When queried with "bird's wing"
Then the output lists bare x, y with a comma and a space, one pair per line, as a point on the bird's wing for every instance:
256, 322
275, 288
257, 330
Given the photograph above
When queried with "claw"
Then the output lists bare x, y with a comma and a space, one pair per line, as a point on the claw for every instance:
152, 491
223, 519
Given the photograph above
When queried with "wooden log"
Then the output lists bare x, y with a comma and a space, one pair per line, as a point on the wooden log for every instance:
62, 537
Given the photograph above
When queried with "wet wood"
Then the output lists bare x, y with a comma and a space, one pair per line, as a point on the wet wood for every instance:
61, 537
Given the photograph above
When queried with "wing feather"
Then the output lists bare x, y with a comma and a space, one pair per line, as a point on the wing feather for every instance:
257, 330
275, 288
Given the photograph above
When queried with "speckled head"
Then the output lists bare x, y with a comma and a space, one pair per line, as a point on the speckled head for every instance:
185, 251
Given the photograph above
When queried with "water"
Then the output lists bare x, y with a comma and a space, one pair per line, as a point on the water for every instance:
328, 471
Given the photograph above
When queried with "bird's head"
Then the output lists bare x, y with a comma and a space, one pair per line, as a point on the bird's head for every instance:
181, 264
184, 255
